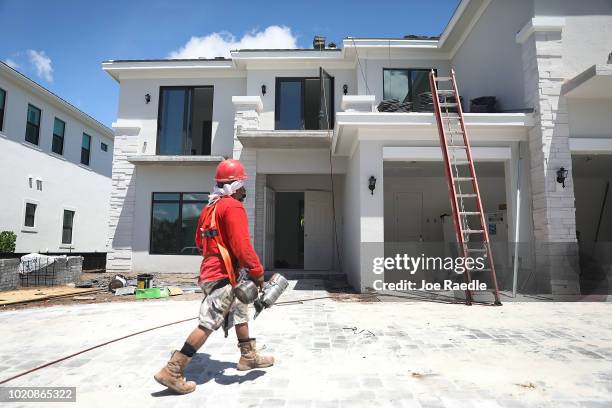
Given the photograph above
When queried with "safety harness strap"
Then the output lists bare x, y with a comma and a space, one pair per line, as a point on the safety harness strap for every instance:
213, 233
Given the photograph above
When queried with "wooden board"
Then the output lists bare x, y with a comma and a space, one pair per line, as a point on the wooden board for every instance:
34, 294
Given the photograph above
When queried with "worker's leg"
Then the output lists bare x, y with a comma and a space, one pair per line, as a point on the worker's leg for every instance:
210, 319
249, 358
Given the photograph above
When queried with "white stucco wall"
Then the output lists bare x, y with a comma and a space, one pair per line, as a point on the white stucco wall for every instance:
258, 77
65, 185
132, 107
150, 179
489, 60
15, 115
350, 251
590, 117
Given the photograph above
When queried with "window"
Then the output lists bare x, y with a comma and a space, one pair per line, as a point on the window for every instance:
67, 227
85, 149
184, 121
59, 127
174, 219
405, 85
301, 103
30, 215
2, 104
103, 147
33, 125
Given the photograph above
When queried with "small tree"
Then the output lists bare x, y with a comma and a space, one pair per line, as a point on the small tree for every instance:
7, 241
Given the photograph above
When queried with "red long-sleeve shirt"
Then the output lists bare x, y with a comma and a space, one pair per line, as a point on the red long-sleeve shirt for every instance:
233, 227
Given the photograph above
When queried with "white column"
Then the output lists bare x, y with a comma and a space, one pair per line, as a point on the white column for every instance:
553, 206
122, 202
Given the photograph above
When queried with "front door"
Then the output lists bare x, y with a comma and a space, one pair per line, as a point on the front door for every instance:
318, 230
407, 210
269, 223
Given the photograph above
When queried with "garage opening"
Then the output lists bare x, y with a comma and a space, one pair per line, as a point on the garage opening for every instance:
417, 212
593, 193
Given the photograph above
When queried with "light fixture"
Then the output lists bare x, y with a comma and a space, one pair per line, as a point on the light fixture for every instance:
147, 98
372, 184
561, 176
263, 89
345, 89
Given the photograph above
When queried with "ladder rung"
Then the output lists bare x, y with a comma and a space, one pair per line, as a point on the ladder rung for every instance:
466, 195
469, 213
461, 163
456, 147
477, 250
439, 79
448, 105
446, 91
464, 178
471, 231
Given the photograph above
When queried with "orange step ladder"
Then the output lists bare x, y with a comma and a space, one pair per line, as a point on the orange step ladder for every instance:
468, 214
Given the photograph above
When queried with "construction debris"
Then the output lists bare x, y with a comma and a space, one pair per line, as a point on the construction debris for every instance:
83, 298
174, 290
128, 290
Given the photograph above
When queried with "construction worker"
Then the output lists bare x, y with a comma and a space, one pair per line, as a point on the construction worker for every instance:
223, 237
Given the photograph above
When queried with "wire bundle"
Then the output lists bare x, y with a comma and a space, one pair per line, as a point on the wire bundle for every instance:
394, 105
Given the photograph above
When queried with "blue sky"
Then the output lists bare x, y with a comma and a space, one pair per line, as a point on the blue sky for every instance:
61, 44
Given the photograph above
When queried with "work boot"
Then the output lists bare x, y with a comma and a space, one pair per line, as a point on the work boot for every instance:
172, 375
250, 359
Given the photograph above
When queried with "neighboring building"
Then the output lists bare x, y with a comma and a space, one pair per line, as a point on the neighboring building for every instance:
309, 203
56, 165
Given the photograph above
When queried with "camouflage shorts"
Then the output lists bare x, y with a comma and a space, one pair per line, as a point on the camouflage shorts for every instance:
216, 303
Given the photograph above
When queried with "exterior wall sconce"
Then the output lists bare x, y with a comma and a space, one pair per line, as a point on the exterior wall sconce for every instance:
147, 98
372, 184
345, 89
561, 176
263, 89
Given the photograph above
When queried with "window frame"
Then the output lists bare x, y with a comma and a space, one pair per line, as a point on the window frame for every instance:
30, 123
103, 146
54, 135
410, 71
187, 115
88, 164
71, 243
24, 227
180, 203
3, 109
302, 80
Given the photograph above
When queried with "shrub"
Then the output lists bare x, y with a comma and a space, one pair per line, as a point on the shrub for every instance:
7, 241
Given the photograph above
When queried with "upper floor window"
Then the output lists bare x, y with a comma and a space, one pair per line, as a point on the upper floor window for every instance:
85, 149
33, 125
184, 122
57, 145
405, 85
305, 103
67, 226
2, 103
103, 147
30, 215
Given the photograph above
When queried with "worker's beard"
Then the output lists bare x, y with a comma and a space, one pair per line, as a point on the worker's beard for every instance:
240, 195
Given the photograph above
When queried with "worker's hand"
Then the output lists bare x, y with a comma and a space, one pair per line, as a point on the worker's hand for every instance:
259, 282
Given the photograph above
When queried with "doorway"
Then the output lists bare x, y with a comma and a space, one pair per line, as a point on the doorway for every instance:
289, 230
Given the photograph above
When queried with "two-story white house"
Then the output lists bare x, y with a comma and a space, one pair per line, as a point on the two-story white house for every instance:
334, 182
55, 168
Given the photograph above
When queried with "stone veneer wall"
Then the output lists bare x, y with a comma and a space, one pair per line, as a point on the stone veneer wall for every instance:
554, 218
122, 206
9, 274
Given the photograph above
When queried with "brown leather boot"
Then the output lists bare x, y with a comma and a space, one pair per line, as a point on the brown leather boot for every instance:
172, 375
250, 359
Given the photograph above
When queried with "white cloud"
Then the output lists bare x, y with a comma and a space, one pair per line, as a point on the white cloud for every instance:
11, 63
220, 44
42, 63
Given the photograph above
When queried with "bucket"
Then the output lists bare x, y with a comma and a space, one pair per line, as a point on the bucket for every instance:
144, 281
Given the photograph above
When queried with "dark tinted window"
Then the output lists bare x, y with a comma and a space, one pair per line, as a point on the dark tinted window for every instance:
2, 104
405, 85
67, 227
289, 104
103, 147
59, 128
174, 219
30, 214
86, 149
33, 125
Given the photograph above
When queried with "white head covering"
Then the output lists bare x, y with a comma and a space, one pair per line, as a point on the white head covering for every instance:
226, 190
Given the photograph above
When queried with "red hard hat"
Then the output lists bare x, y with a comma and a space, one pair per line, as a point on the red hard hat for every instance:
230, 170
